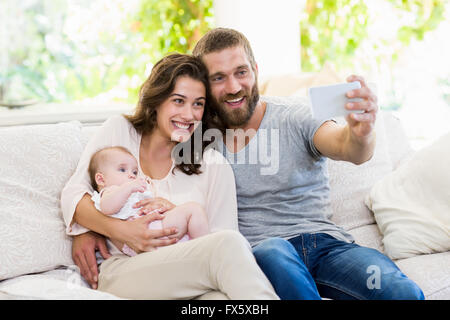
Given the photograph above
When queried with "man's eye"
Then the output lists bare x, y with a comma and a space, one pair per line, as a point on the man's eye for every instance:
242, 72
218, 78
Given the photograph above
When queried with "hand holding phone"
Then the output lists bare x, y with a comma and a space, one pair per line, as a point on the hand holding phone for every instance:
328, 102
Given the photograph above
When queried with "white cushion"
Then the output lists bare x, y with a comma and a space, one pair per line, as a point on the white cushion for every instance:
59, 284
412, 204
399, 148
431, 272
350, 183
35, 163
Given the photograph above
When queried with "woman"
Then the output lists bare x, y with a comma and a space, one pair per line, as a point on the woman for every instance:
171, 102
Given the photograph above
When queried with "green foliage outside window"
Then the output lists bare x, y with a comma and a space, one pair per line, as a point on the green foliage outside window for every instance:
52, 65
55, 63
173, 26
332, 30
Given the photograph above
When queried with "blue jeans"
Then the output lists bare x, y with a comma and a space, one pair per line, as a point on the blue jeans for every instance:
311, 266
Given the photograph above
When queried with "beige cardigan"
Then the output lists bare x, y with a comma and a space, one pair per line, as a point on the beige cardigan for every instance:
214, 188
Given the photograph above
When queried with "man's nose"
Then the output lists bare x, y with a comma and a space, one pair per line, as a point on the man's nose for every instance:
232, 86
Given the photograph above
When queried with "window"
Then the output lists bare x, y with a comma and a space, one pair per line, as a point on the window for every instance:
86, 59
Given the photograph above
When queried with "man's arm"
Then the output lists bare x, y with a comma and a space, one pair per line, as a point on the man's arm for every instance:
354, 142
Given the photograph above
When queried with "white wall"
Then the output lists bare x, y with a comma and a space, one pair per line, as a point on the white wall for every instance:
272, 27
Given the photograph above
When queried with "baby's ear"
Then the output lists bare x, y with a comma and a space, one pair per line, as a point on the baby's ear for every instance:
99, 180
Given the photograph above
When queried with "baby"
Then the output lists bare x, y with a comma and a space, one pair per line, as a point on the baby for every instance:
114, 176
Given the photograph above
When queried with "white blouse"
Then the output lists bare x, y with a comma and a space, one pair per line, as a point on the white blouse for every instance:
214, 188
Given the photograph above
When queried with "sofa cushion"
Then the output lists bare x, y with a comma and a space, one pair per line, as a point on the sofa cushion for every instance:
411, 205
430, 272
35, 163
368, 236
399, 148
58, 284
350, 183
298, 84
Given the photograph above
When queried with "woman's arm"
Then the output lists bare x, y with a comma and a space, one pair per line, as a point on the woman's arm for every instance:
221, 201
89, 217
134, 233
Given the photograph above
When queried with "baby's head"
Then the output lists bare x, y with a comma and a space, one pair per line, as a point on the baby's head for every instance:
112, 166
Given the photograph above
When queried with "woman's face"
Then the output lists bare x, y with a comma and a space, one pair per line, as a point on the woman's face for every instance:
179, 115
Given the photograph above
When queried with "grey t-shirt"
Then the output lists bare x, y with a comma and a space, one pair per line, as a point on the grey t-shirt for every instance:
282, 179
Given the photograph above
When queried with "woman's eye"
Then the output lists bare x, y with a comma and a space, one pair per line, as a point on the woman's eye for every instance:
135, 173
122, 169
199, 104
178, 101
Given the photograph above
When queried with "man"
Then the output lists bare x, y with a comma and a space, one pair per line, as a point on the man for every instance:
284, 213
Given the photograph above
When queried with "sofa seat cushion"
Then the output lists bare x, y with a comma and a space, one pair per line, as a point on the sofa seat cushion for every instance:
58, 284
431, 272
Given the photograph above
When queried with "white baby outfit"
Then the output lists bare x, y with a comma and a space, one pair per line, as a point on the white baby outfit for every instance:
127, 212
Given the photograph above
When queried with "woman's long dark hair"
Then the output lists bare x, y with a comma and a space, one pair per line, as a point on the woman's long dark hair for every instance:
157, 88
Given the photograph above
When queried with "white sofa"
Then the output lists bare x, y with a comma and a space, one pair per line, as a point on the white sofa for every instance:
35, 253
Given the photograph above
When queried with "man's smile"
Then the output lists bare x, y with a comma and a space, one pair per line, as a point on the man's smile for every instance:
235, 103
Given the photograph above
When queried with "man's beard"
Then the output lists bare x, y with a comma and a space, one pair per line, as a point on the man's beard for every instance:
240, 116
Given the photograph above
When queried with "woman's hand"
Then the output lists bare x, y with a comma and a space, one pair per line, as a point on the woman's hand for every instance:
137, 236
83, 254
157, 203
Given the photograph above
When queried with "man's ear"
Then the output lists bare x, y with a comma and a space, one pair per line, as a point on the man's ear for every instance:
256, 70
99, 179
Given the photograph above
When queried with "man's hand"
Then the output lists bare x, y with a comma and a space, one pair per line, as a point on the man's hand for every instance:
83, 254
354, 142
361, 124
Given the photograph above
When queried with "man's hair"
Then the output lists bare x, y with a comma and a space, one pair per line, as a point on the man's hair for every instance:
97, 158
219, 39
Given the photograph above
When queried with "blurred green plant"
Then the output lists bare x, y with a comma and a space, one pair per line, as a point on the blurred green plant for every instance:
176, 25
170, 26
332, 30
57, 61
54, 61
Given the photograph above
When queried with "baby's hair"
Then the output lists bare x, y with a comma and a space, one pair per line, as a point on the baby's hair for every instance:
97, 157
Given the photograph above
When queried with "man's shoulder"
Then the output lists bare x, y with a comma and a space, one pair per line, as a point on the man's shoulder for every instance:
287, 109
287, 102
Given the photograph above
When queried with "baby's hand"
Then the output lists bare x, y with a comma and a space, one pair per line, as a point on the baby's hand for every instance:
138, 185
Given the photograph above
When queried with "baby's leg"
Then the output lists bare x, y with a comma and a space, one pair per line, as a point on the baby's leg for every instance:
188, 218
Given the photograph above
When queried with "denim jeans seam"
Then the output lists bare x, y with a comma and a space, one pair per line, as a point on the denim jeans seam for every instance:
356, 296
